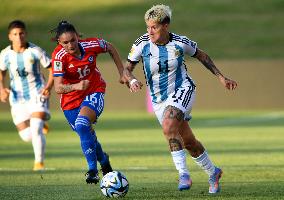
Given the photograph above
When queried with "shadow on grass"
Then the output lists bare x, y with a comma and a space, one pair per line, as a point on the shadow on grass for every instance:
152, 123
136, 153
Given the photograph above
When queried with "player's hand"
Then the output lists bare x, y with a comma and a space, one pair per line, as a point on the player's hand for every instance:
45, 92
135, 85
4, 94
228, 83
82, 85
122, 79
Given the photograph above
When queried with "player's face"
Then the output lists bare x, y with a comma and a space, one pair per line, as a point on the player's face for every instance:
69, 41
17, 36
158, 33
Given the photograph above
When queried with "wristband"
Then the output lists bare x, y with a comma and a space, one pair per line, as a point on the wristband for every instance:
132, 81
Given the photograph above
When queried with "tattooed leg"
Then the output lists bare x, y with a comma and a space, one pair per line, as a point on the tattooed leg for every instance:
175, 144
172, 119
172, 112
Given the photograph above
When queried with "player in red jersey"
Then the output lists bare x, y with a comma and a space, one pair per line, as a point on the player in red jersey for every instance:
82, 88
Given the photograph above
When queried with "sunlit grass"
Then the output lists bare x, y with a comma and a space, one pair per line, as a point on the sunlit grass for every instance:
250, 152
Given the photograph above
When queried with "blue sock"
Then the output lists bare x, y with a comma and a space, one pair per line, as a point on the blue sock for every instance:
88, 143
100, 153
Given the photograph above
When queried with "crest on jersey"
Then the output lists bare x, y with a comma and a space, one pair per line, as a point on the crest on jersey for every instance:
32, 61
91, 59
57, 65
177, 53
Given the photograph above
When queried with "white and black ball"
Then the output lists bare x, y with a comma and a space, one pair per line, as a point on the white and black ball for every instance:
114, 184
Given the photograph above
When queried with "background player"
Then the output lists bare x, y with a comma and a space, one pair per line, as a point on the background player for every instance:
172, 90
29, 92
82, 88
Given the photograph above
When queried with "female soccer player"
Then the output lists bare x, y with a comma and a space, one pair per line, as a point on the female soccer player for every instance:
29, 92
172, 90
82, 88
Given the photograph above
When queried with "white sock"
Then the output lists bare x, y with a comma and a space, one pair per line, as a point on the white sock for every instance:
179, 158
38, 139
26, 134
205, 163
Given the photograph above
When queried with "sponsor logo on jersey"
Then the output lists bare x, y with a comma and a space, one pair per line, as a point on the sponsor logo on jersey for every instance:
57, 66
71, 65
91, 59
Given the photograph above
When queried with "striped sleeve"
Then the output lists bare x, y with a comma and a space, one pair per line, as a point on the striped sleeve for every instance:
136, 50
189, 46
57, 62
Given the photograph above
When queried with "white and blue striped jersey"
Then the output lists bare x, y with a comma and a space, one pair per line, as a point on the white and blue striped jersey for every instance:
26, 79
164, 66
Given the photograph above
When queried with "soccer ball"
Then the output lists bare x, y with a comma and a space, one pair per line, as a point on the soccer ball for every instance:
114, 184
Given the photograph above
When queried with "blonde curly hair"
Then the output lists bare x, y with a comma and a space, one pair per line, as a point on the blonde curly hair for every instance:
161, 14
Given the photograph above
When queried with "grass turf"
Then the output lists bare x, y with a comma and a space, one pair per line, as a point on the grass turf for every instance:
225, 29
247, 145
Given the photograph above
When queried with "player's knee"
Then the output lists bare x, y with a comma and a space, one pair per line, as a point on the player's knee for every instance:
172, 119
26, 134
170, 128
82, 125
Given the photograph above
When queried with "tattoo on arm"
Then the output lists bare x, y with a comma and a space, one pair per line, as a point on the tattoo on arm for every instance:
208, 63
63, 89
130, 66
128, 70
175, 144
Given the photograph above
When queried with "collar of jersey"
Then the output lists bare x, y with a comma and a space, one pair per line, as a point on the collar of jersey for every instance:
82, 52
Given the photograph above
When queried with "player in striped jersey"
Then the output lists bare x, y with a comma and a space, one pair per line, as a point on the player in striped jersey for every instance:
173, 90
82, 88
28, 93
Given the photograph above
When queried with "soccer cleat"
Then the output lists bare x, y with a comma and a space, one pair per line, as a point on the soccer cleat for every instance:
185, 182
38, 166
45, 128
92, 177
214, 186
107, 167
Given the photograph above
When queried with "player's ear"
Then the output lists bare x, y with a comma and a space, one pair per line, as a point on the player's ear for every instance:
166, 26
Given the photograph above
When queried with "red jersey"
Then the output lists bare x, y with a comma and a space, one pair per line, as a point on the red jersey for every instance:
74, 69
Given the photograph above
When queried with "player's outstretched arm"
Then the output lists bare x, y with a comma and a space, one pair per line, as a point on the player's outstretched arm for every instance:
209, 64
61, 88
46, 90
117, 60
133, 84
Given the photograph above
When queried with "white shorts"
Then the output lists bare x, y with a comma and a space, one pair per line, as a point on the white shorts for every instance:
182, 99
22, 111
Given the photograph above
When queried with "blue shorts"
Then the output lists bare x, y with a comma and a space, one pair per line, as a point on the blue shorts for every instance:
94, 101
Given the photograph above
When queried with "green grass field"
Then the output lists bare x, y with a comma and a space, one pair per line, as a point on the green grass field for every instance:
247, 145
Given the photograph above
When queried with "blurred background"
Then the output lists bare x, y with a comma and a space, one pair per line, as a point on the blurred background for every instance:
244, 39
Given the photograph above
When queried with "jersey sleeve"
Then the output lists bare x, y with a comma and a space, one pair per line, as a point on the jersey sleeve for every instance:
135, 53
190, 46
45, 60
3, 65
57, 63
98, 45
102, 45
